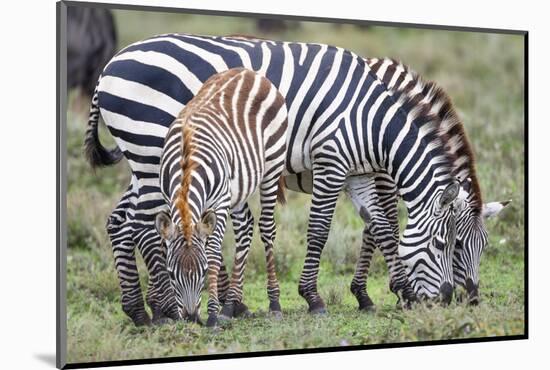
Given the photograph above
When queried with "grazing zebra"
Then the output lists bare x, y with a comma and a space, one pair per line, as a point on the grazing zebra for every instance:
471, 233
228, 141
343, 121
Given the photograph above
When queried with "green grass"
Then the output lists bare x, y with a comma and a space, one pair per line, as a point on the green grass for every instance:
484, 76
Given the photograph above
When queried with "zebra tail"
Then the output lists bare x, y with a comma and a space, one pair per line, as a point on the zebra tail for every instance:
96, 154
281, 190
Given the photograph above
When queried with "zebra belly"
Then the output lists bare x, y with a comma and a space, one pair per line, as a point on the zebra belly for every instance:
302, 182
240, 193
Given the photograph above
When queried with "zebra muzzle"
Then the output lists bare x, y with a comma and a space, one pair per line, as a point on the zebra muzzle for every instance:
446, 293
195, 318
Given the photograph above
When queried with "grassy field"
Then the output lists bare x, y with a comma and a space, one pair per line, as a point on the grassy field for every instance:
482, 73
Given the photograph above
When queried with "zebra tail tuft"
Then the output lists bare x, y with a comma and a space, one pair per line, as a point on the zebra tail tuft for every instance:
96, 154
281, 191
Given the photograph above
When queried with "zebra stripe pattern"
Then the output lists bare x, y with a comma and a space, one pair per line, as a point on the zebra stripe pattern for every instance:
228, 141
342, 119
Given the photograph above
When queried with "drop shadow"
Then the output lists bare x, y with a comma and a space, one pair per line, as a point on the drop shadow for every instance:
47, 358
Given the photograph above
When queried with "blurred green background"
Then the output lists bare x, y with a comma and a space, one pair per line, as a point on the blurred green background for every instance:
482, 73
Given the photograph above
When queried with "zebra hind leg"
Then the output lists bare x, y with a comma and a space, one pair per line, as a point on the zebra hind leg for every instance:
121, 236
243, 224
359, 282
160, 295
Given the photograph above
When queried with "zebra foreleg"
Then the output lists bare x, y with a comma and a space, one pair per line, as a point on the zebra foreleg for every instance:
160, 296
399, 282
223, 289
243, 225
384, 232
359, 282
223, 283
268, 199
327, 184
377, 206
121, 236
214, 258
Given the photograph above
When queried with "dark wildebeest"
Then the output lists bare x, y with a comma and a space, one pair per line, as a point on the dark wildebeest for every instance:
91, 42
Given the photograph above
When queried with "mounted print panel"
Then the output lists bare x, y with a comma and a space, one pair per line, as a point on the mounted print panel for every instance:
241, 184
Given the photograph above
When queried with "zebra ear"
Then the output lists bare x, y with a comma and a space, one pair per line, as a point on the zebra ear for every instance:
206, 227
465, 187
493, 208
449, 194
463, 193
165, 226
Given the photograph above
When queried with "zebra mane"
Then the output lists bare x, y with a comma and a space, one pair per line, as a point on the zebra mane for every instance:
187, 165
400, 79
187, 149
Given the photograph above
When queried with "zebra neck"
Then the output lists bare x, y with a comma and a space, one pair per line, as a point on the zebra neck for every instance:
209, 189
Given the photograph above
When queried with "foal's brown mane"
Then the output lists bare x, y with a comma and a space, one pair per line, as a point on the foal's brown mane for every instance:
451, 130
187, 165
187, 149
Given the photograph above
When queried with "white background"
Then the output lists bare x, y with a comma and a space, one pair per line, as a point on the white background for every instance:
27, 132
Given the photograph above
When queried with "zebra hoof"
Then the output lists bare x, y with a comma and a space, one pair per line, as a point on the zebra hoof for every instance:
367, 308
317, 308
138, 316
365, 303
227, 312
242, 311
212, 321
320, 310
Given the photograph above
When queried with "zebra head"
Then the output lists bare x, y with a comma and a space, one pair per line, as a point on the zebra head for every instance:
471, 239
430, 234
186, 261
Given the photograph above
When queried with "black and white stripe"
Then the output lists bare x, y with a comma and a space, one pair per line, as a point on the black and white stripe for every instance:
227, 142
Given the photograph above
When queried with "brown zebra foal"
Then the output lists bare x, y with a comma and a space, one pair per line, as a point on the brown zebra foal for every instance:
227, 142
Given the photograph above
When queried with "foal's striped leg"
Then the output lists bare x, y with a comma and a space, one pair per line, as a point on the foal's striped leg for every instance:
243, 225
268, 200
214, 258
